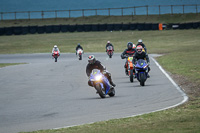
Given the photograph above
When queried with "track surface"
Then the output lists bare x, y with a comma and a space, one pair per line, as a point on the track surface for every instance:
44, 95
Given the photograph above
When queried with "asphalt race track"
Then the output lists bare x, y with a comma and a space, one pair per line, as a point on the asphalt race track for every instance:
43, 94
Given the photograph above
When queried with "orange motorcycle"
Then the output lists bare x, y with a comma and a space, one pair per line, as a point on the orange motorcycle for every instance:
130, 68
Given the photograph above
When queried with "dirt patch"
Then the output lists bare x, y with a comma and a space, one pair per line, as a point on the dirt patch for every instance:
190, 88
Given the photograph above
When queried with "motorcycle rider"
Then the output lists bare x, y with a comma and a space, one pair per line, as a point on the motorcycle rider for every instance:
142, 44
95, 64
55, 48
140, 54
130, 51
78, 47
109, 44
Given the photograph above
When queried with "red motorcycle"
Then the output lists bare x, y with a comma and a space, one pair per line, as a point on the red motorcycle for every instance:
110, 51
56, 55
80, 54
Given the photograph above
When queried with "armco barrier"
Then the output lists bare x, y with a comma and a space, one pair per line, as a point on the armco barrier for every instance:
2, 31
56, 28
155, 26
189, 26
148, 26
141, 26
182, 26
8, 30
41, 29
32, 29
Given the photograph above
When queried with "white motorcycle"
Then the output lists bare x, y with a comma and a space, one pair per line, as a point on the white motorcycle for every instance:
80, 54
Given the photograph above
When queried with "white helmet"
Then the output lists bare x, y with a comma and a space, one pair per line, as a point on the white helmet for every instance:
108, 42
134, 46
140, 40
55, 46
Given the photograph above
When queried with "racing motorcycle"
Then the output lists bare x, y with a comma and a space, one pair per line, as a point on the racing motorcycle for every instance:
110, 51
129, 67
80, 54
141, 69
55, 55
101, 84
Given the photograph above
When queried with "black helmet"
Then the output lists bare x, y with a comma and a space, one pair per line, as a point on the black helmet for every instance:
91, 59
129, 45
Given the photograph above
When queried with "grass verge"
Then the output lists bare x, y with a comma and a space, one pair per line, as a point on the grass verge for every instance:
9, 64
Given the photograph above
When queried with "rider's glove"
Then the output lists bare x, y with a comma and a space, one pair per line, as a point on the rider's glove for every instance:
148, 64
104, 72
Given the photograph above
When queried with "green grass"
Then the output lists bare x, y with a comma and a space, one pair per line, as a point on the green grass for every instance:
9, 64
167, 18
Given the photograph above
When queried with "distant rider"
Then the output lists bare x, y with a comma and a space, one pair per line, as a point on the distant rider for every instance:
95, 64
142, 44
78, 47
55, 48
129, 52
140, 54
109, 44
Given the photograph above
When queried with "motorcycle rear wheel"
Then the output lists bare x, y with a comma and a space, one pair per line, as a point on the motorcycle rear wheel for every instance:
112, 93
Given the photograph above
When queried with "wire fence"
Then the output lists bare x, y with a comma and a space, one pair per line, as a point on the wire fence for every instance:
136, 10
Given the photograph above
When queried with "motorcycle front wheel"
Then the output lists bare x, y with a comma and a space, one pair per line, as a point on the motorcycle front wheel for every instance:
100, 91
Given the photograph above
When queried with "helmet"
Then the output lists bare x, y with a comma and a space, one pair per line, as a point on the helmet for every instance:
91, 59
129, 45
140, 41
55, 46
108, 42
79, 44
139, 49
134, 46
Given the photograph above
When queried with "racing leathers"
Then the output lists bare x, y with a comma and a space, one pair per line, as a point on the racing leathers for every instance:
78, 47
97, 65
109, 44
56, 49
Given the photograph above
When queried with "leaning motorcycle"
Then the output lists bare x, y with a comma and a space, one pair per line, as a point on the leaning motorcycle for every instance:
141, 69
110, 51
80, 54
101, 84
56, 55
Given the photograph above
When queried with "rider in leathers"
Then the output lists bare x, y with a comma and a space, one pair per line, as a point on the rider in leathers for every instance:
142, 44
130, 51
95, 64
109, 44
78, 47
140, 54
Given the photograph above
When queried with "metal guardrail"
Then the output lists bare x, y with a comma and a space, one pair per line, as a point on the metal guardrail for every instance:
94, 12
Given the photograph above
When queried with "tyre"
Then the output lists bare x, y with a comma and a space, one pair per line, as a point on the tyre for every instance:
100, 91
142, 79
110, 55
80, 57
112, 93
55, 59
131, 75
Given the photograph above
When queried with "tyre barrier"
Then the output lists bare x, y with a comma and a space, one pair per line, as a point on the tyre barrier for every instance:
93, 27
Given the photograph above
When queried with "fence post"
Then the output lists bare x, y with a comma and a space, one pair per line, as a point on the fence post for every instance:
183, 9
122, 12
29, 15
42, 13
56, 14
96, 11
134, 11
159, 9
69, 13
172, 9
15, 15
196, 9
109, 11
1, 15
147, 10
83, 12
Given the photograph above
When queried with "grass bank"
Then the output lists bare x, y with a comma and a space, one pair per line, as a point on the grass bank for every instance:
9, 64
181, 57
166, 18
